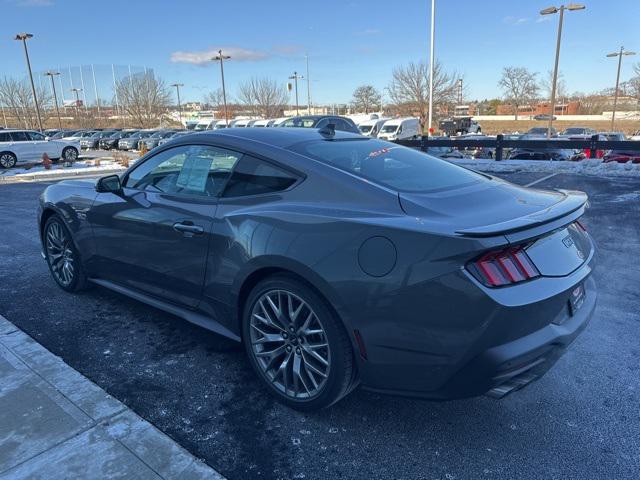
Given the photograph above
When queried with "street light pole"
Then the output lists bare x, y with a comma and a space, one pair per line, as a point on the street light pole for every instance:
178, 85
295, 77
308, 86
431, 60
550, 11
23, 37
222, 58
55, 97
77, 92
615, 94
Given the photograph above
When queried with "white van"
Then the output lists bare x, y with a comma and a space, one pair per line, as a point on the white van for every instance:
372, 127
400, 129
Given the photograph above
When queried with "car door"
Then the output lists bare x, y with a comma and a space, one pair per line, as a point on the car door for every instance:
154, 235
41, 145
21, 146
238, 233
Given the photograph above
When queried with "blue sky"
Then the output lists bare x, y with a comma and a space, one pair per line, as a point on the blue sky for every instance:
349, 42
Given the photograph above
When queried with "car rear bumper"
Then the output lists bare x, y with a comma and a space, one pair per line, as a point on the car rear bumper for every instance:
495, 359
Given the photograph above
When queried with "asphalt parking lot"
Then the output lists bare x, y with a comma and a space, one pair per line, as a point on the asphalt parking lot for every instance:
582, 420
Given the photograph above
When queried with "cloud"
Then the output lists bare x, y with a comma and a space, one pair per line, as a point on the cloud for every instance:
544, 18
32, 3
204, 57
515, 20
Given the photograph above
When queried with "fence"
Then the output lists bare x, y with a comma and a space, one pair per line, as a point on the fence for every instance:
500, 143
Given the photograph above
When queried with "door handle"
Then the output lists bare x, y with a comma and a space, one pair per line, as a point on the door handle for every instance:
188, 228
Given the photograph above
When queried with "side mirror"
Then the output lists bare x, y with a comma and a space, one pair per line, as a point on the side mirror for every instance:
109, 184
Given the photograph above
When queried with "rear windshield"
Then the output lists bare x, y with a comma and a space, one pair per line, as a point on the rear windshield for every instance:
400, 168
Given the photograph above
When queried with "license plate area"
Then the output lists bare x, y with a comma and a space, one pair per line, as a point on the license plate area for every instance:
576, 299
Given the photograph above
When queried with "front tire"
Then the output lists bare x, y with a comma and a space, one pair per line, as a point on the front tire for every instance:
70, 154
62, 256
296, 344
8, 160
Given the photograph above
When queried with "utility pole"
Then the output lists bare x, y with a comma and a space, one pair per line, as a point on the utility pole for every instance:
55, 97
178, 85
296, 77
619, 54
220, 57
308, 86
24, 37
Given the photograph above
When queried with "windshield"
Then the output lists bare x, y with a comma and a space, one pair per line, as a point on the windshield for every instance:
299, 122
400, 168
538, 131
389, 128
574, 131
365, 128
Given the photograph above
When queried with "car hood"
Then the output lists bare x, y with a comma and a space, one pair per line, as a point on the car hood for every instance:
492, 208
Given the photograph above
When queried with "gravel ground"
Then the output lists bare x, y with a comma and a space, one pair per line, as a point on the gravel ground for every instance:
582, 420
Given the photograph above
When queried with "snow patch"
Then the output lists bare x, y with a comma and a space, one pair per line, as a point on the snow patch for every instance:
586, 167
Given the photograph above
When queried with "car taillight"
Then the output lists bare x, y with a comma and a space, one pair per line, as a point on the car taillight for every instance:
504, 267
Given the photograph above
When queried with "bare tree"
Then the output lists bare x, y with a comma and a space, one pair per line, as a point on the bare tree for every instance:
16, 99
215, 99
519, 86
409, 88
546, 84
264, 96
634, 83
366, 98
591, 104
144, 97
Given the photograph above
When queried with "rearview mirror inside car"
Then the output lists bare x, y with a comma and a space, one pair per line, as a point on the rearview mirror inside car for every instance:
110, 183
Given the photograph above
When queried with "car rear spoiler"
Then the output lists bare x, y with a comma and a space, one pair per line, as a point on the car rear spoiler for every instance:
571, 206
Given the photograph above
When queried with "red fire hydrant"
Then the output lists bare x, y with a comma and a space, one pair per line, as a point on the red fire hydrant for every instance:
46, 161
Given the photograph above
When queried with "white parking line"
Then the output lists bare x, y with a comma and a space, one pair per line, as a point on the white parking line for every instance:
541, 179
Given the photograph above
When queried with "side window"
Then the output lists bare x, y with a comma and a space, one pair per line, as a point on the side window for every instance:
35, 136
19, 136
4, 137
186, 170
252, 177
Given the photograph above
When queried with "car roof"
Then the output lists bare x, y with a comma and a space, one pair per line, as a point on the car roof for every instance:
278, 137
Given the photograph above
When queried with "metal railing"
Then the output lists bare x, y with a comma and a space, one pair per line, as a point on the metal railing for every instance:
500, 143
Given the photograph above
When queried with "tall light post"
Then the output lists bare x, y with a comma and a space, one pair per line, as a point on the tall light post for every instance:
55, 97
77, 92
431, 60
178, 85
551, 11
23, 37
619, 54
220, 57
308, 86
296, 77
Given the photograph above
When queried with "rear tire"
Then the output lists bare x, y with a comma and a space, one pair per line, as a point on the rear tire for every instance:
8, 160
63, 258
313, 366
69, 154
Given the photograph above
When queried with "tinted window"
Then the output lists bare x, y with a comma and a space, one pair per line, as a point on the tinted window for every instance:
252, 177
4, 137
19, 136
185, 170
397, 167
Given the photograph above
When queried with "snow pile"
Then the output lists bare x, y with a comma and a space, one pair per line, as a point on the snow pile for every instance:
586, 167
81, 167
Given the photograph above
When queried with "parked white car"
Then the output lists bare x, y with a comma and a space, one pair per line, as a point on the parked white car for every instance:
27, 145
372, 127
400, 129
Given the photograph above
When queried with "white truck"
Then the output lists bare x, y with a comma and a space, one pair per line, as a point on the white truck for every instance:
400, 129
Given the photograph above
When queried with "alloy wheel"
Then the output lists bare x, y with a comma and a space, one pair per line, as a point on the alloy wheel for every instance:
290, 344
70, 154
60, 254
7, 160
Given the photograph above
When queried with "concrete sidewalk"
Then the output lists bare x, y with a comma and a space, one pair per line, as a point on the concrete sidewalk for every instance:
57, 424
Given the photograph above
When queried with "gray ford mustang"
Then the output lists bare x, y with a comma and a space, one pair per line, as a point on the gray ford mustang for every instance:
337, 260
